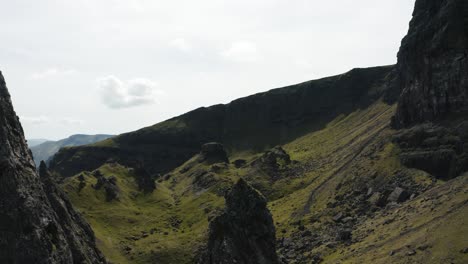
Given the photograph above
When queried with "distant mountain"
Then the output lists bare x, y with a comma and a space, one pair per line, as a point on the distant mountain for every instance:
44, 151
36, 141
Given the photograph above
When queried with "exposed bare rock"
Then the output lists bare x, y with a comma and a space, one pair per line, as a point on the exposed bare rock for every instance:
213, 153
34, 227
433, 62
244, 233
81, 238
440, 151
109, 185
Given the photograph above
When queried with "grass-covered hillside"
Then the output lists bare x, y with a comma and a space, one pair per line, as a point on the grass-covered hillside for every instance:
253, 123
338, 194
47, 149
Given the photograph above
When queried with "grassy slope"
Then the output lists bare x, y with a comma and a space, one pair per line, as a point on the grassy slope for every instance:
351, 150
253, 123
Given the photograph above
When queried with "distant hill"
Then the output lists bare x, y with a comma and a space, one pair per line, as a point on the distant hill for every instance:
44, 151
36, 141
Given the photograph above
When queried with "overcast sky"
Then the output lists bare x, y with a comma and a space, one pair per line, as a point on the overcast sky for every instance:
113, 66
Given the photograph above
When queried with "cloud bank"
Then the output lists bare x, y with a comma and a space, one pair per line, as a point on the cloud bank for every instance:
117, 94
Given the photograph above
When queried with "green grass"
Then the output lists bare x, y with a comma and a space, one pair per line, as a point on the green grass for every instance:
354, 148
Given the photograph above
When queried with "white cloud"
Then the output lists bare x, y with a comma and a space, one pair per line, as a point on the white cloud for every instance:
71, 121
34, 120
52, 72
241, 51
181, 44
119, 94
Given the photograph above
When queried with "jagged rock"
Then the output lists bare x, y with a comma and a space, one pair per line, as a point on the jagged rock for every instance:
110, 187
273, 162
398, 195
440, 151
213, 153
37, 222
144, 180
433, 62
244, 233
81, 241
239, 163
274, 158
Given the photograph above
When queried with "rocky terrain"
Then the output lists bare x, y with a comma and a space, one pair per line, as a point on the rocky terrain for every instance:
244, 232
38, 223
253, 123
370, 166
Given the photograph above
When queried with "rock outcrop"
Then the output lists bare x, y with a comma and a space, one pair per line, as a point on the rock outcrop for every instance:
109, 185
244, 233
440, 151
213, 153
35, 227
252, 123
433, 63
144, 180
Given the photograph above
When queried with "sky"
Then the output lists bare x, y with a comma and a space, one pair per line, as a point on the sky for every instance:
114, 66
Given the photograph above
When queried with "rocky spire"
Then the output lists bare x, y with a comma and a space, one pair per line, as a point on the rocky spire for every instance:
34, 228
244, 233
433, 62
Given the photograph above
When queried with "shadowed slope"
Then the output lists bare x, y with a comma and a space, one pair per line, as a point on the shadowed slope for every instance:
252, 123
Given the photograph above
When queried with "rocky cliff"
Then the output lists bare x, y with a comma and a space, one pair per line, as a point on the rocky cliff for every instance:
244, 233
433, 77
256, 122
433, 62
35, 227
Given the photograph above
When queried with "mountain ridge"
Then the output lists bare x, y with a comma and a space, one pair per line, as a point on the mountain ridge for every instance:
46, 150
256, 122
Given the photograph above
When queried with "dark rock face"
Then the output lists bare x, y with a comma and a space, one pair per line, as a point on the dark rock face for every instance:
81, 240
34, 227
244, 233
273, 158
433, 62
274, 162
213, 153
251, 123
440, 151
110, 187
144, 180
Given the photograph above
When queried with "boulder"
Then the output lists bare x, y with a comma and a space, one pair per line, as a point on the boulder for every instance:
398, 195
213, 153
238, 163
